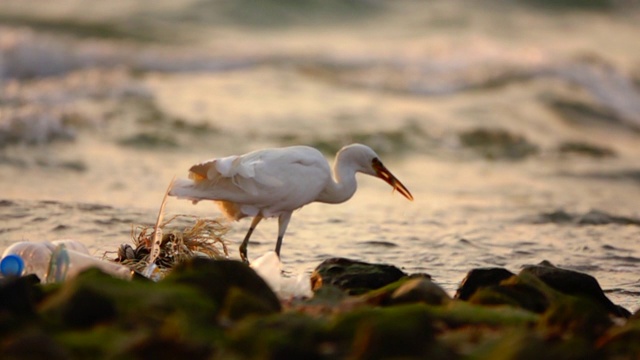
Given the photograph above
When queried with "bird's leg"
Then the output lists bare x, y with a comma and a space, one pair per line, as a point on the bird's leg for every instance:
283, 222
245, 242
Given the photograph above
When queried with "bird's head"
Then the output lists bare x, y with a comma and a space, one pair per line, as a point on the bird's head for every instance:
368, 162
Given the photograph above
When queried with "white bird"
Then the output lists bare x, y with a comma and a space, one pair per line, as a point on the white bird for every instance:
275, 182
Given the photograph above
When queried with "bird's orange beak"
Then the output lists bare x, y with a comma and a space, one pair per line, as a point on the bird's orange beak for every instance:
383, 173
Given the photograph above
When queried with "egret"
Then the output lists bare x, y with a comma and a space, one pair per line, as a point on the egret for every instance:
275, 182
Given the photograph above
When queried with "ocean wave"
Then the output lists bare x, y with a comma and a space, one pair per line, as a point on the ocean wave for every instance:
26, 54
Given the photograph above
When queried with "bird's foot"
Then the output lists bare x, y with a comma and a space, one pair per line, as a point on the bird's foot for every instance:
243, 255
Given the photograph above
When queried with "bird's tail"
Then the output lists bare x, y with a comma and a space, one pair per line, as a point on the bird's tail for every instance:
187, 189
196, 190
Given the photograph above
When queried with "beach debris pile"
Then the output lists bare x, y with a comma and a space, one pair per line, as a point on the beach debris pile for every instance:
204, 237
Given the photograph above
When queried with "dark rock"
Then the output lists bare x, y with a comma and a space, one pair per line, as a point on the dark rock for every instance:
86, 307
498, 144
574, 283
79, 304
217, 278
419, 290
480, 278
125, 252
164, 346
18, 296
32, 345
354, 277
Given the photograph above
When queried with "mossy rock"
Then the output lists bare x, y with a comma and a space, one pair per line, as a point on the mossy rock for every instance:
461, 314
354, 277
32, 344
522, 296
240, 303
404, 331
621, 342
420, 290
217, 279
97, 314
497, 286
131, 303
279, 336
526, 344
406, 290
574, 283
480, 278
570, 317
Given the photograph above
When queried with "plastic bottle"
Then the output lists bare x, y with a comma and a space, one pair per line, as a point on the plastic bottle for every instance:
72, 245
54, 262
35, 258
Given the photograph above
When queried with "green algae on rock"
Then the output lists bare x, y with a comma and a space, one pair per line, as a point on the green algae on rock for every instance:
354, 277
222, 309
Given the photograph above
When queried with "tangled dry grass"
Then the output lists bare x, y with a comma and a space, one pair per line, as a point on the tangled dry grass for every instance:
203, 238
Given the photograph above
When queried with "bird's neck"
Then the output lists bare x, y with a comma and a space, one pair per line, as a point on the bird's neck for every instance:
343, 185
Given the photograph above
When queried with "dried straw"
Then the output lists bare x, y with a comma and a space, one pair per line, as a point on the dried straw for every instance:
203, 238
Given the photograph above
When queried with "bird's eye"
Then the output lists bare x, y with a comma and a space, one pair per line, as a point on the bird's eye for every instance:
376, 162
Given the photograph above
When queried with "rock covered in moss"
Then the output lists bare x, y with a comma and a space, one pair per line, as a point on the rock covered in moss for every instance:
220, 280
621, 342
222, 309
419, 290
526, 293
407, 290
480, 278
35, 344
575, 317
574, 283
354, 277
525, 344
535, 288
279, 336
403, 331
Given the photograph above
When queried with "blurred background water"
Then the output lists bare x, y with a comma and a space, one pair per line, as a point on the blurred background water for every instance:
515, 124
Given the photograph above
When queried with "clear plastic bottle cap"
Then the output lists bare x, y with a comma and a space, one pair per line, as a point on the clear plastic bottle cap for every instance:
11, 265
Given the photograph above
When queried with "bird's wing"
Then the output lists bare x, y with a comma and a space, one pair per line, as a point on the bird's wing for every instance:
248, 172
269, 180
